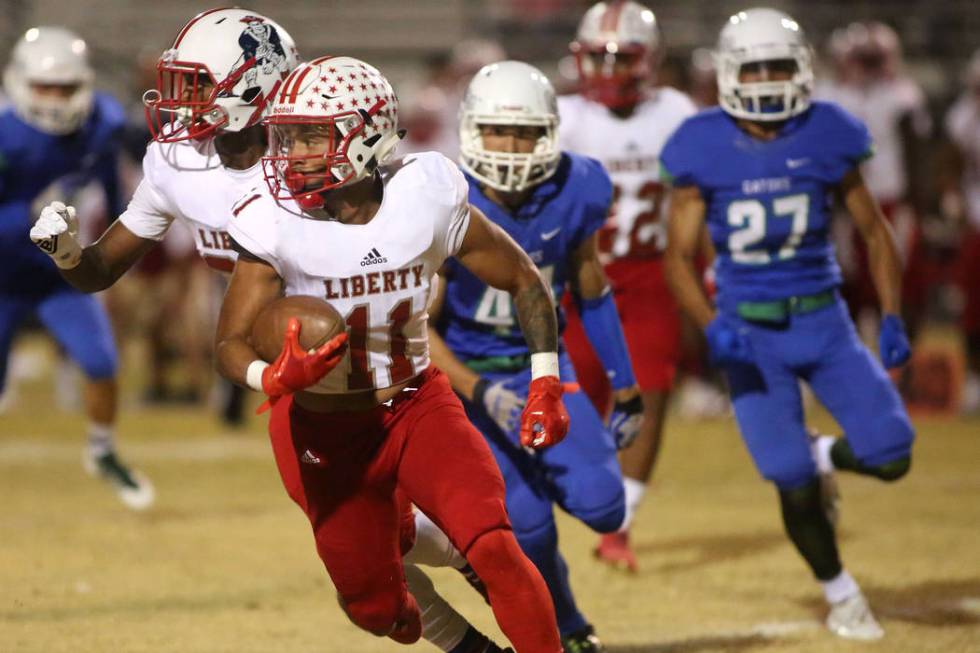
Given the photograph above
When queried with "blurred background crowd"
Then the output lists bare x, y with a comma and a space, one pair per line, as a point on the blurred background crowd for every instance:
909, 68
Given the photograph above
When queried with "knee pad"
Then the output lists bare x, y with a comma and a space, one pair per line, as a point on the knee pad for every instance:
381, 612
99, 364
607, 521
891, 471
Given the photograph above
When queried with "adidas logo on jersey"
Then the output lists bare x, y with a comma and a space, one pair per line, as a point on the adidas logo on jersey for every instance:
373, 258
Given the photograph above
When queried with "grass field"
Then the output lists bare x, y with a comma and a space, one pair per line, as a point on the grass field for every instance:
225, 562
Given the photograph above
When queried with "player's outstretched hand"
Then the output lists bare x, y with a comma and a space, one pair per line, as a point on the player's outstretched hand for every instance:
500, 403
625, 420
296, 369
726, 344
893, 344
56, 234
545, 420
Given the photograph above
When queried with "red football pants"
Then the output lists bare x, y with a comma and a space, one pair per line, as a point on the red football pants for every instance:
343, 469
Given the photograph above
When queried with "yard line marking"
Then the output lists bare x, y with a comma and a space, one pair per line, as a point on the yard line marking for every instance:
230, 447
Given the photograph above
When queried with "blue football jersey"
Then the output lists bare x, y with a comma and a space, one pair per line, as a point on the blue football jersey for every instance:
30, 162
478, 321
768, 203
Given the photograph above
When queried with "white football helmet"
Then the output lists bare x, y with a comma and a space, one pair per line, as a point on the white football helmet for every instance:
621, 30
220, 74
55, 56
352, 106
509, 93
761, 35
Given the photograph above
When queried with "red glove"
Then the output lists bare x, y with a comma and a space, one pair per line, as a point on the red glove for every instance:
544, 421
296, 369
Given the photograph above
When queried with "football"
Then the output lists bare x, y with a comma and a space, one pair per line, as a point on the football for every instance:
320, 322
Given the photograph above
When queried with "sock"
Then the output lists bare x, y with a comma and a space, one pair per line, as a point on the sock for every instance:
432, 547
541, 546
840, 587
100, 439
442, 626
474, 642
518, 594
821, 453
634, 495
811, 532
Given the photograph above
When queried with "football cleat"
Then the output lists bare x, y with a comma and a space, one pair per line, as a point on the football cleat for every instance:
829, 492
474, 581
614, 549
852, 619
132, 488
583, 641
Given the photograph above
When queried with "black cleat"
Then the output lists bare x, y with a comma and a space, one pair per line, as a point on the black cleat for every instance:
132, 488
583, 641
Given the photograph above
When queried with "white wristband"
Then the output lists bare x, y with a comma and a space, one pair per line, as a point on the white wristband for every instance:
253, 375
544, 364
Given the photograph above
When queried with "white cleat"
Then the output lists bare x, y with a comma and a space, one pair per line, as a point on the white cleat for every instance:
852, 619
133, 489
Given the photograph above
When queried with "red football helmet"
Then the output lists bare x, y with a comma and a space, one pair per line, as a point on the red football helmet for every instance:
334, 121
616, 49
219, 75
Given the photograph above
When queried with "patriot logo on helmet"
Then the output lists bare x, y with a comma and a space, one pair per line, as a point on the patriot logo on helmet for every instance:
220, 75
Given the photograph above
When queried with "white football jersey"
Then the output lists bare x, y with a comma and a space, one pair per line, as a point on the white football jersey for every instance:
185, 181
378, 275
963, 127
881, 106
629, 149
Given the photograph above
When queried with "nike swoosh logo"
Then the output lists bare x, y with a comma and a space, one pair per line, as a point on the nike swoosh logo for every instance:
548, 235
796, 163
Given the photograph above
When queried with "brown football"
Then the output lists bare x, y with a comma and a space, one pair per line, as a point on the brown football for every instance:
320, 322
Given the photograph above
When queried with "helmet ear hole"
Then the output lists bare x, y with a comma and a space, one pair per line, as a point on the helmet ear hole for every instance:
248, 97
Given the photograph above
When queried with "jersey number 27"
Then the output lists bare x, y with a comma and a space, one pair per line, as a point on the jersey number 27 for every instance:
748, 217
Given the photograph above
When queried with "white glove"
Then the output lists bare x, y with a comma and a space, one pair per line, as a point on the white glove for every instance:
56, 234
501, 404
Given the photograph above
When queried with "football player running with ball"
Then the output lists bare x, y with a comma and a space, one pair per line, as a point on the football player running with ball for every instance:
760, 171
367, 411
620, 120
552, 204
212, 92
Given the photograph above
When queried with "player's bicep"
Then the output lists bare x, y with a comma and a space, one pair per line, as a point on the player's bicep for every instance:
254, 284
685, 221
588, 278
493, 256
860, 203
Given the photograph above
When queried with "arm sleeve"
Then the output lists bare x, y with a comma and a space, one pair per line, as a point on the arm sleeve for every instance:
148, 214
605, 332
